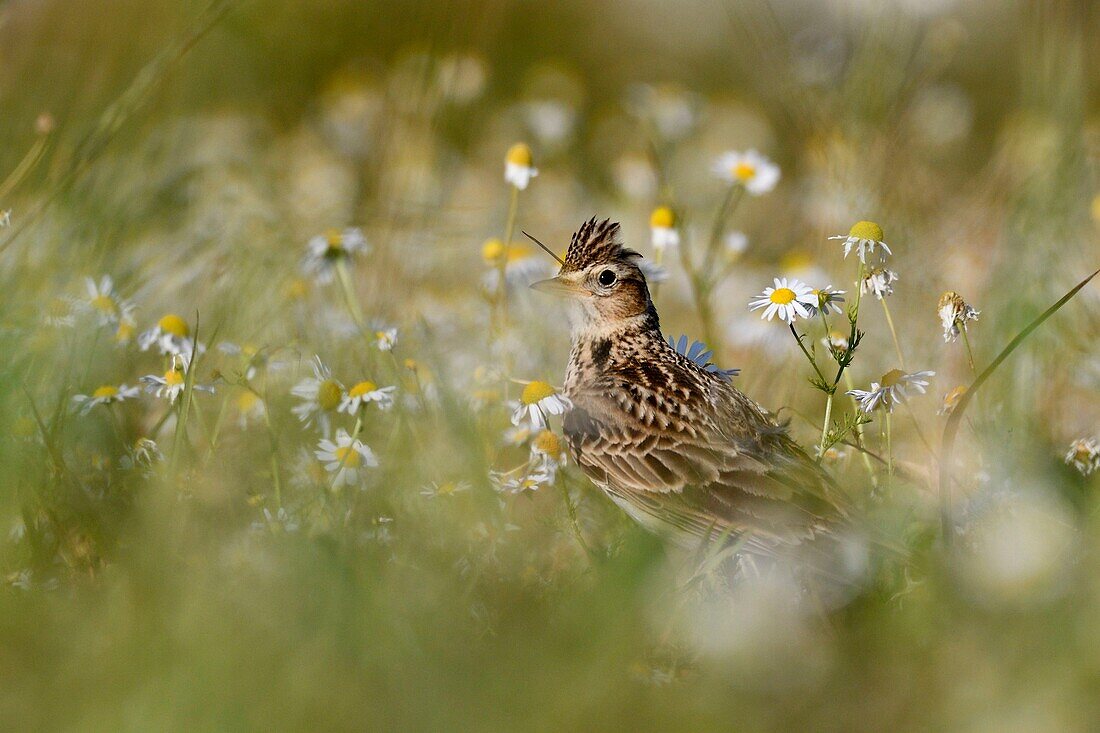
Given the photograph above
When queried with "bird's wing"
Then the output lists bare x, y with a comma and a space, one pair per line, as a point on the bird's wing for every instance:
716, 467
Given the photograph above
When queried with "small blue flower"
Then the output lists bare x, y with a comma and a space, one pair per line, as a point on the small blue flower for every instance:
699, 354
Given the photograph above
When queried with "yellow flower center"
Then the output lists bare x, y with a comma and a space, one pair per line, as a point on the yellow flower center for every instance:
247, 401
296, 289
125, 331
335, 238
519, 154
782, 296
744, 172
953, 397
174, 325
866, 230
662, 218
492, 251
548, 443
411, 365
173, 378
105, 392
349, 457
329, 395
535, 392
446, 488
518, 252
892, 377
104, 304
362, 388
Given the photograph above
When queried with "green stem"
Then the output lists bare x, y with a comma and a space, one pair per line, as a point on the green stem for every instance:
969, 352
893, 332
733, 197
350, 298
809, 358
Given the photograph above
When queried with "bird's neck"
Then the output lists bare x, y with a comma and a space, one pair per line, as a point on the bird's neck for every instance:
599, 345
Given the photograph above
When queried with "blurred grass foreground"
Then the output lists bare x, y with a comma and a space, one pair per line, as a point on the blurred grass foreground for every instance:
269, 364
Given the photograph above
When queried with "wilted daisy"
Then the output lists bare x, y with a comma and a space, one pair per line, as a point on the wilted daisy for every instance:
788, 299
951, 400
828, 300
321, 396
171, 385
878, 280
171, 335
438, 489
142, 455
537, 402
385, 339
364, 393
127, 327
1084, 455
518, 170
865, 237
346, 458
750, 169
954, 313
108, 394
662, 229
104, 301
890, 390
250, 408
324, 250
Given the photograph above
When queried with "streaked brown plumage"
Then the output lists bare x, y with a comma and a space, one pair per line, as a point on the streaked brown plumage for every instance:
678, 447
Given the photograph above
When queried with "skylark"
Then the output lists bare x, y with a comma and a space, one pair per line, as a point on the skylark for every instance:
676, 446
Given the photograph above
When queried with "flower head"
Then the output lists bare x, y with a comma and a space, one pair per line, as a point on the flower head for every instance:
734, 245
104, 301
171, 335
385, 339
521, 483
662, 229
108, 394
836, 341
321, 396
878, 280
174, 381
828, 300
438, 489
519, 262
890, 390
518, 168
1084, 455
346, 459
865, 237
537, 402
324, 250
951, 400
750, 169
250, 408
364, 393
954, 312
788, 299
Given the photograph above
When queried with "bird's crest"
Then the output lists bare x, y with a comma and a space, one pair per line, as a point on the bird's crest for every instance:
594, 242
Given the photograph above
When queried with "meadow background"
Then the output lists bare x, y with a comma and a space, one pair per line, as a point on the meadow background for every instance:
218, 582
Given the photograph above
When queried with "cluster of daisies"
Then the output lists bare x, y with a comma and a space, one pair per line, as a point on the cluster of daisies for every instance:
323, 400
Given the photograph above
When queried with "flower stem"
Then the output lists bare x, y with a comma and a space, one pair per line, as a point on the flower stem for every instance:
889, 448
733, 197
893, 332
969, 351
809, 357
350, 298
502, 285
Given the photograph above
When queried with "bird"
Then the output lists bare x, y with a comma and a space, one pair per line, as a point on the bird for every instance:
672, 442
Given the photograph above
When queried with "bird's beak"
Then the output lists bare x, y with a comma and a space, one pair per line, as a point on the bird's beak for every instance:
566, 284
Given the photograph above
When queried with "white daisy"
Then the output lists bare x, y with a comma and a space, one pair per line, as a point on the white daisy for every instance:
954, 312
104, 301
521, 265
108, 394
518, 170
321, 396
890, 390
521, 483
345, 458
538, 401
438, 489
788, 299
171, 385
662, 229
171, 335
141, 456
324, 250
836, 341
60, 313
878, 280
828, 300
734, 244
548, 453
385, 339
865, 237
250, 408
364, 393
1084, 455
951, 400
749, 169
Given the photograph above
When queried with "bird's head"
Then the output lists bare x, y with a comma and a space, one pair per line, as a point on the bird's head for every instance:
603, 276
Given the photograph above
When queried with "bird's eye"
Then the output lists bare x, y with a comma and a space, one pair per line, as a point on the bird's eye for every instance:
607, 278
